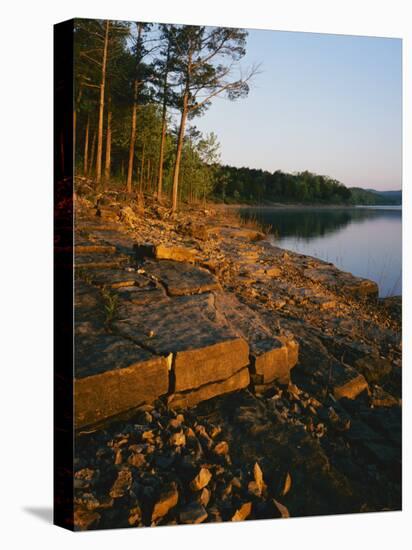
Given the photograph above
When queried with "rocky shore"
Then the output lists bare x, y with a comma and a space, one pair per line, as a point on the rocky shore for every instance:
219, 378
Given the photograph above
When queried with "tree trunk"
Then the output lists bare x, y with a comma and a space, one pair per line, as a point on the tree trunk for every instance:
79, 96
101, 107
132, 140
108, 143
74, 131
92, 154
86, 147
161, 155
163, 135
134, 113
148, 175
179, 151
141, 171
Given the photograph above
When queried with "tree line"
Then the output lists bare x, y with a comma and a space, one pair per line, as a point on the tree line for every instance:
258, 186
138, 86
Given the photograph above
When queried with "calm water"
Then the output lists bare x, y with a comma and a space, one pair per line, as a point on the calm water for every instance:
366, 241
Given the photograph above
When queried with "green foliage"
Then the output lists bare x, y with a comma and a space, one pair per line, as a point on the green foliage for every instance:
203, 64
257, 186
168, 63
369, 197
110, 301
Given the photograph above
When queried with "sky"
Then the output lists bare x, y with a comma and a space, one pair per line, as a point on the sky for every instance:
330, 104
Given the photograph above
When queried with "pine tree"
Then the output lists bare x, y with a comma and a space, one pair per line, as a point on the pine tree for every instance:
205, 58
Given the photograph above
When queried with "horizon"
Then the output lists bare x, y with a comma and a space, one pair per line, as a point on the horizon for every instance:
318, 101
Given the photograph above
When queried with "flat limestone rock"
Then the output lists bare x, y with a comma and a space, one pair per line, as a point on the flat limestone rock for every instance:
95, 224
333, 278
323, 302
270, 360
121, 241
165, 251
181, 278
97, 351
293, 349
272, 356
99, 261
115, 278
94, 248
237, 381
216, 362
239, 233
113, 375
346, 381
323, 371
142, 295
259, 271
175, 252
204, 349
88, 303
362, 288
107, 214
272, 271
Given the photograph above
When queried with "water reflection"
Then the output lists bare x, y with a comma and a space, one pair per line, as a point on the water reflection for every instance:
364, 241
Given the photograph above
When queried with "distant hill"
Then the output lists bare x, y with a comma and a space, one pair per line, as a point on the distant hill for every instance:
373, 197
391, 195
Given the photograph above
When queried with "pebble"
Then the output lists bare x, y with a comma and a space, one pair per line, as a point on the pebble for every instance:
193, 513
201, 480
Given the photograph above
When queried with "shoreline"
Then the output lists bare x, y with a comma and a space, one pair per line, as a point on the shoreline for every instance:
276, 240
298, 206
322, 373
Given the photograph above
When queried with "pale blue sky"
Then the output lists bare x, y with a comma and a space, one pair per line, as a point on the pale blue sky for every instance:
326, 103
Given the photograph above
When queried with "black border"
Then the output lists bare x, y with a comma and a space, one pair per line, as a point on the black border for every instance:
63, 274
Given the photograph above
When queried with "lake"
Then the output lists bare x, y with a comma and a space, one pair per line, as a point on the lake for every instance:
366, 241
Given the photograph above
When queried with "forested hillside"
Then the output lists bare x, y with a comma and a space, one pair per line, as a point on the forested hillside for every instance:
372, 197
258, 186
